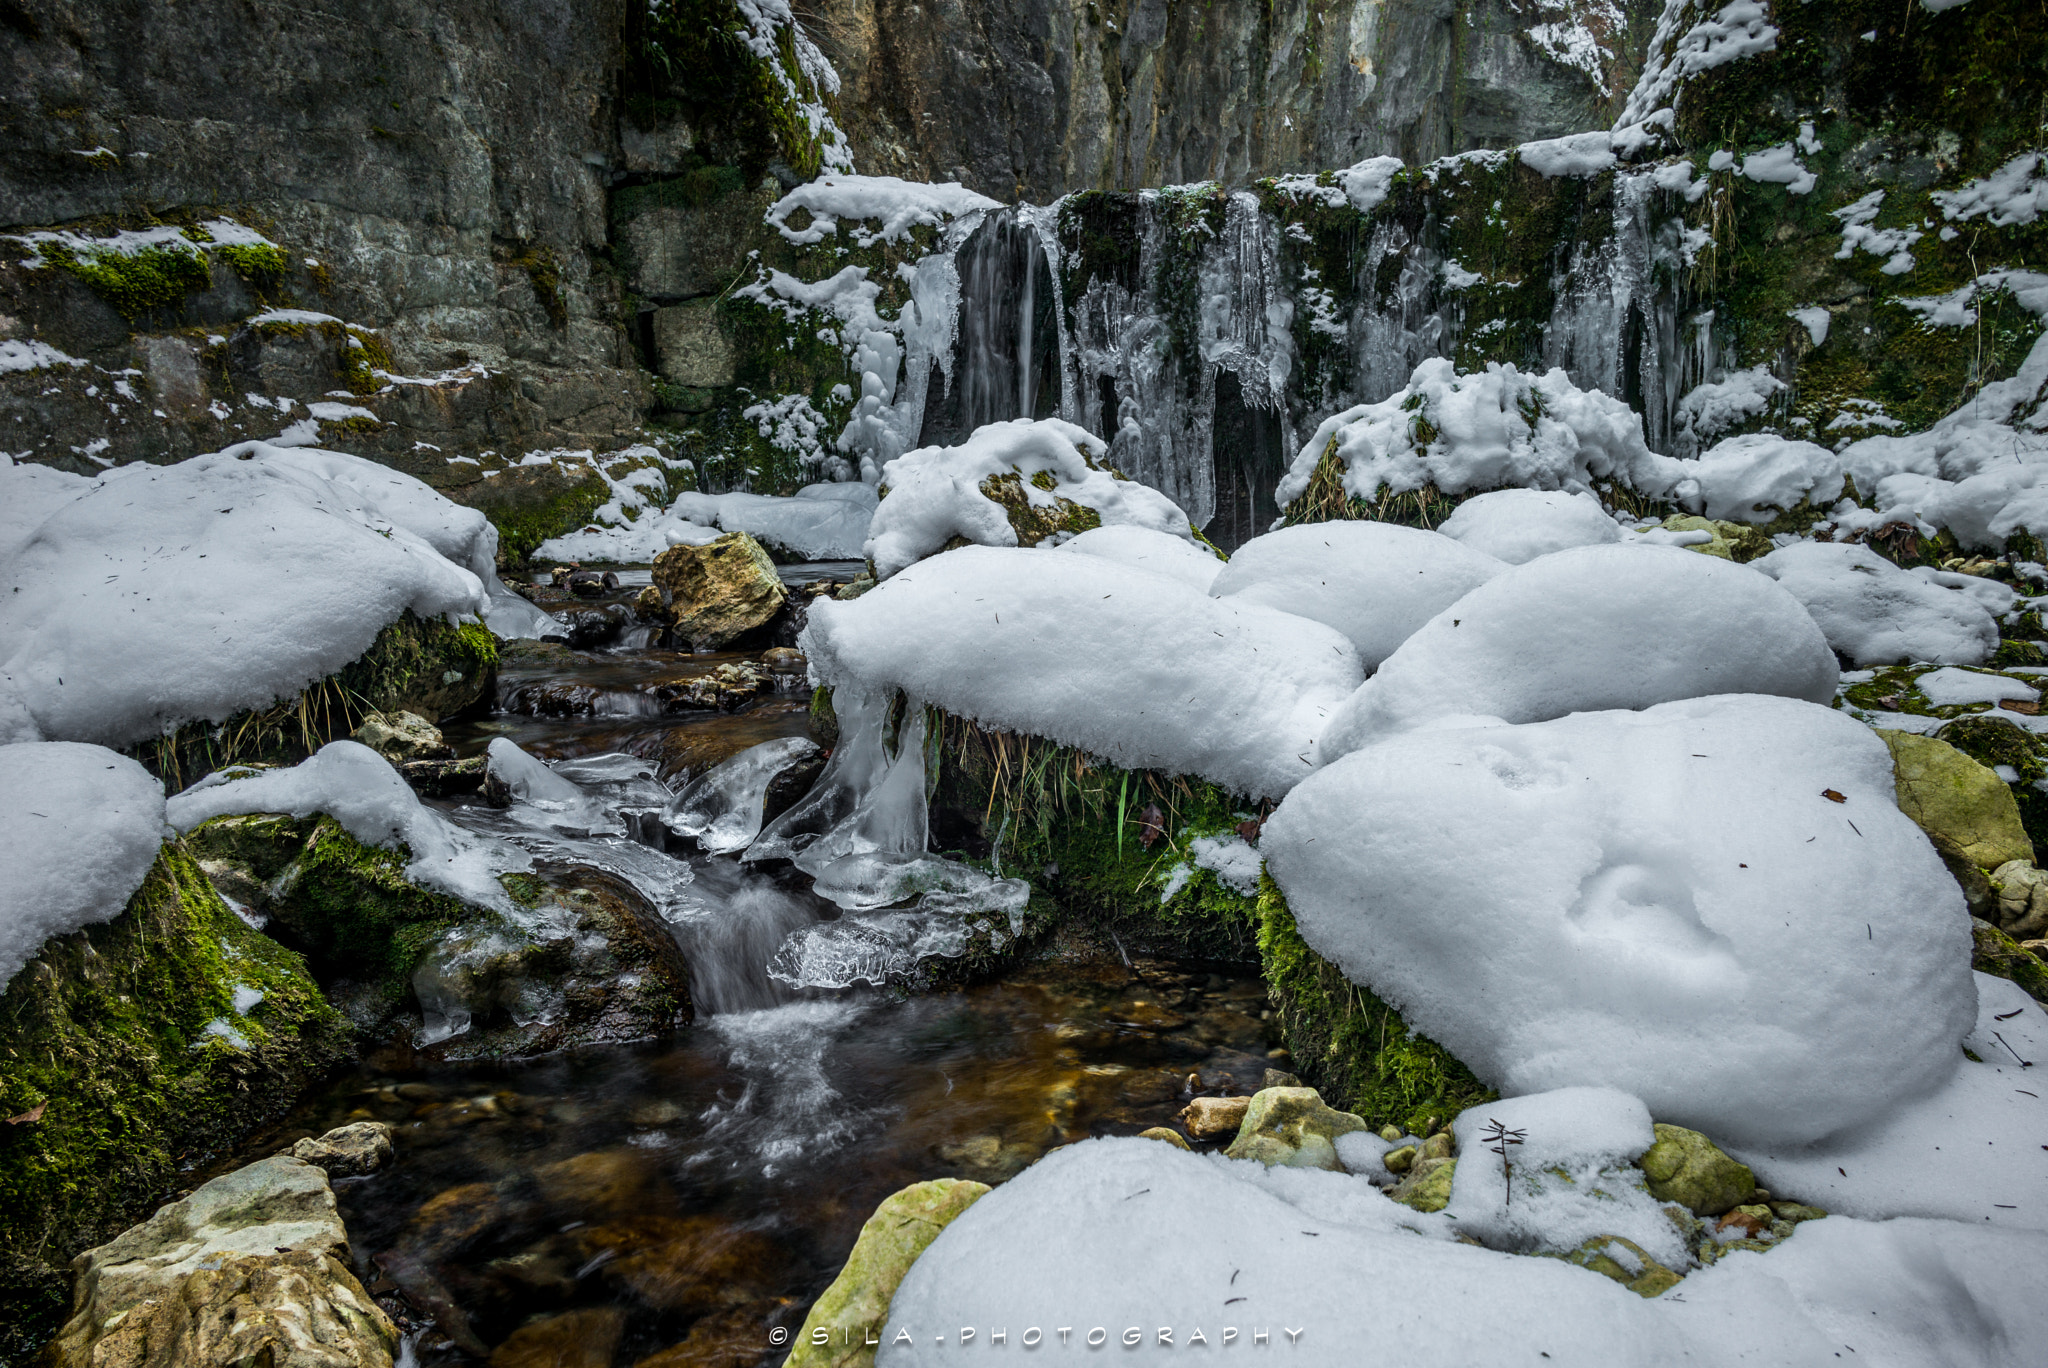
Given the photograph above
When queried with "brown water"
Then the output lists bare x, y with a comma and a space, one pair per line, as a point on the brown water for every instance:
690, 1198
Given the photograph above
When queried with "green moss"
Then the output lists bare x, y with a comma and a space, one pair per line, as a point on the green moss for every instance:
136, 282
1351, 1045
107, 1032
258, 263
363, 354
2003, 957
1992, 740
408, 667
544, 271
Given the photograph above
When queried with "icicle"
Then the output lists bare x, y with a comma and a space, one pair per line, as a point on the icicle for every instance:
722, 810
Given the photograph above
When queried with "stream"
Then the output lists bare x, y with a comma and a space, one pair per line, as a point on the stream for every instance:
684, 1201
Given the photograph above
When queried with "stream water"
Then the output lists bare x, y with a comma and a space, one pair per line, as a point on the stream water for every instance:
687, 1199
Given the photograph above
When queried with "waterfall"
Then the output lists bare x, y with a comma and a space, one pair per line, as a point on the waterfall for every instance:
1003, 353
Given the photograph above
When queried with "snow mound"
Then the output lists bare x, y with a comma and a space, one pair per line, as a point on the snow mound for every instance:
1594, 627
359, 789
1950, 687
1874, 613
1375, 582
1970, 1151
1572, 1175
1518, 525
1145, 549
1123, 663
821, 522
1334, 1275
159, 595
79, 828
935, 493
1754, 477
1663, 902
1489, 429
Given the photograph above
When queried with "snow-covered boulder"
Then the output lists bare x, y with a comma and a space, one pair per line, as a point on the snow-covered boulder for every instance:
1159, 552
1375, 582
79, 828
1133, 666
1664, 902
1009, 484
1594, 627
1874, 613
1500, 427
1517, 525
1754, 477
158, 595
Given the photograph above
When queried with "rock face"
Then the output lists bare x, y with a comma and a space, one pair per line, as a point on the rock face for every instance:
719, 592
1293, 1128
889, 1243
1963, 807
250, 1268
1685, 1167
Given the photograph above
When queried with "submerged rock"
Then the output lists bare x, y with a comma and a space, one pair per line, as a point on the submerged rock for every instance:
1687, 1168
584, 1338
251, 1268
1293, 1128
902, 1226
719, 592
347, 1151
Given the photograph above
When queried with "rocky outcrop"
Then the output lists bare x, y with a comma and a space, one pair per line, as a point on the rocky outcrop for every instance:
251, 1268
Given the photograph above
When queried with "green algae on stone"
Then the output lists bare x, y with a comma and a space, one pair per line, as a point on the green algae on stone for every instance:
1685, 1167
1427, 1187
1961, 805
857, 1302
1292, 1128
1623, 1260
1995, 953
1731, 541
127, 1037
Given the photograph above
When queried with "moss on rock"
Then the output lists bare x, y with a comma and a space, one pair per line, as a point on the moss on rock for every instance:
124, 1041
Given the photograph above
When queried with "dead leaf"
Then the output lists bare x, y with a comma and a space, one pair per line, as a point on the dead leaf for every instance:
1151, 825
1832, 796
2020, 705
1249, 828
29, 1117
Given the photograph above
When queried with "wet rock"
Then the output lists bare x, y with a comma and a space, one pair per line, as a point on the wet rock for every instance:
602, 1182
723, 1339
588, 628
687, 1264
1685, 1167
445, 778
575, 1339
1280, 1078
1293, 1128
347, 1151
1963, 807
650, 606
902, 1226
1214, 1118
1171, 1137
784, 660
402, 736
2022, 892
721, 591
1753, 1221
1623, 1260
251, 1268
1427, 1186
727, 688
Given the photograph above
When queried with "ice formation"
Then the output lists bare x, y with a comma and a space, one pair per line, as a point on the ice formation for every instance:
722, 809
1594, 627
79, 828
820, 522
935, 493
1664, 902
1517, 525
359, 789
1375, 582
157, 595
1325, 1255
1146, 549
1122, 663
1874, 613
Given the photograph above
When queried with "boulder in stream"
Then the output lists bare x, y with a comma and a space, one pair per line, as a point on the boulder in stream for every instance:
721, 591
835, 1332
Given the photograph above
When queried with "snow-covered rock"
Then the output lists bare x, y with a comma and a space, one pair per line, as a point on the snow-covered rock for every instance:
158, 595
1877, 614
1664, 902
820, 522
1518, 525
1594, 627
1375, 582
1146, 549
1133, 666
1489, 429
937, 493
79, 828
1754, 477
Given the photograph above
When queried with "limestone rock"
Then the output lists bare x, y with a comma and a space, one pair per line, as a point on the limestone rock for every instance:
402, 736
1293, 1128
250, 1268
889, 1243
690, 347
347, 1151
1427, 1186
720, 591
1685, 1167
1731, 541
1171, 1137
1957, 802
2022, 892
1213, 1118
1611, 1256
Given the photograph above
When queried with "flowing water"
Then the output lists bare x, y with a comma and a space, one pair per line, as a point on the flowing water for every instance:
689, 1198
